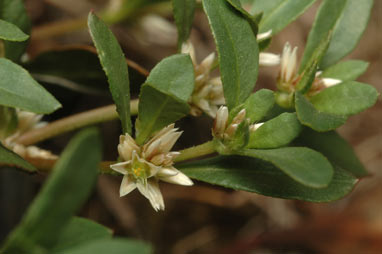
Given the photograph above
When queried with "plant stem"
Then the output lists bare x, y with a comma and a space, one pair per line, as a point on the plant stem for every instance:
73, 122
196, 151
104, 167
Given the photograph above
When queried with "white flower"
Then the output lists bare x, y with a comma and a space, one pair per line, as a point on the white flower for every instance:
144, 166
27, 121
208, 92
222, 128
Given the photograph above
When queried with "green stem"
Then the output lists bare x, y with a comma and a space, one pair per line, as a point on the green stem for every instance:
196, 151
73, 122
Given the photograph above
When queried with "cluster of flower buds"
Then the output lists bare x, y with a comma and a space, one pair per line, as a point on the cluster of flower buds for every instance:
26, 121
223, 129
143, 166
208, 92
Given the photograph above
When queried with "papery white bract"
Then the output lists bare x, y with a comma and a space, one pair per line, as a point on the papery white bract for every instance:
143, 166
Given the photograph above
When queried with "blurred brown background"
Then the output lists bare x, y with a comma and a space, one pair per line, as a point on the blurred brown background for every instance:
206, 219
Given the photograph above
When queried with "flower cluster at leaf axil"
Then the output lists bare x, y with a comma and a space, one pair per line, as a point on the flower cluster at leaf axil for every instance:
289, 76
208, 93
23, 122
143, 166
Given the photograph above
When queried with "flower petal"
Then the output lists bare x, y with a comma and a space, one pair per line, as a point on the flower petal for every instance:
120, 167
179, 178
127, 186
167, 172
152, 192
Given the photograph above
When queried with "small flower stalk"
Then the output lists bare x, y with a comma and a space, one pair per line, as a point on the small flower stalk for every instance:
143, 166
208, 92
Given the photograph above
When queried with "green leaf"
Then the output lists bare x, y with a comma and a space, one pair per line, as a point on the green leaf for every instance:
78, 232
18, 89
111, 246
277, 14
259, 104
347, 19
276, 132
256, 106
13, 11
253, 20
10, 159
348, 98
315, 58
156, 110
174, 75
164, 97
114, 64
67, 188
302, 164
184, 15
253, 175
346, 71
315, 119
335, 148
10, 32
237, 49
307, 78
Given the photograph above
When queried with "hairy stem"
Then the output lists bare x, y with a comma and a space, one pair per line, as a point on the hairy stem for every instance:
196, 151
73, 122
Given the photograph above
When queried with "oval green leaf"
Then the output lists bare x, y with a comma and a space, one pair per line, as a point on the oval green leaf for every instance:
304, 165
237, 49
346, 71
114, 64
174, 75
276, 132
335, 148
13, 11
277, 14
184, 15
315, 119
348, 98
156, 110
347, 19
253, 175
10, 32
18, 89
67, 188
259, 104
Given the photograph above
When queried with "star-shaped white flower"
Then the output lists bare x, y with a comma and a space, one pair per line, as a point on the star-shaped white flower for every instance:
144, 166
